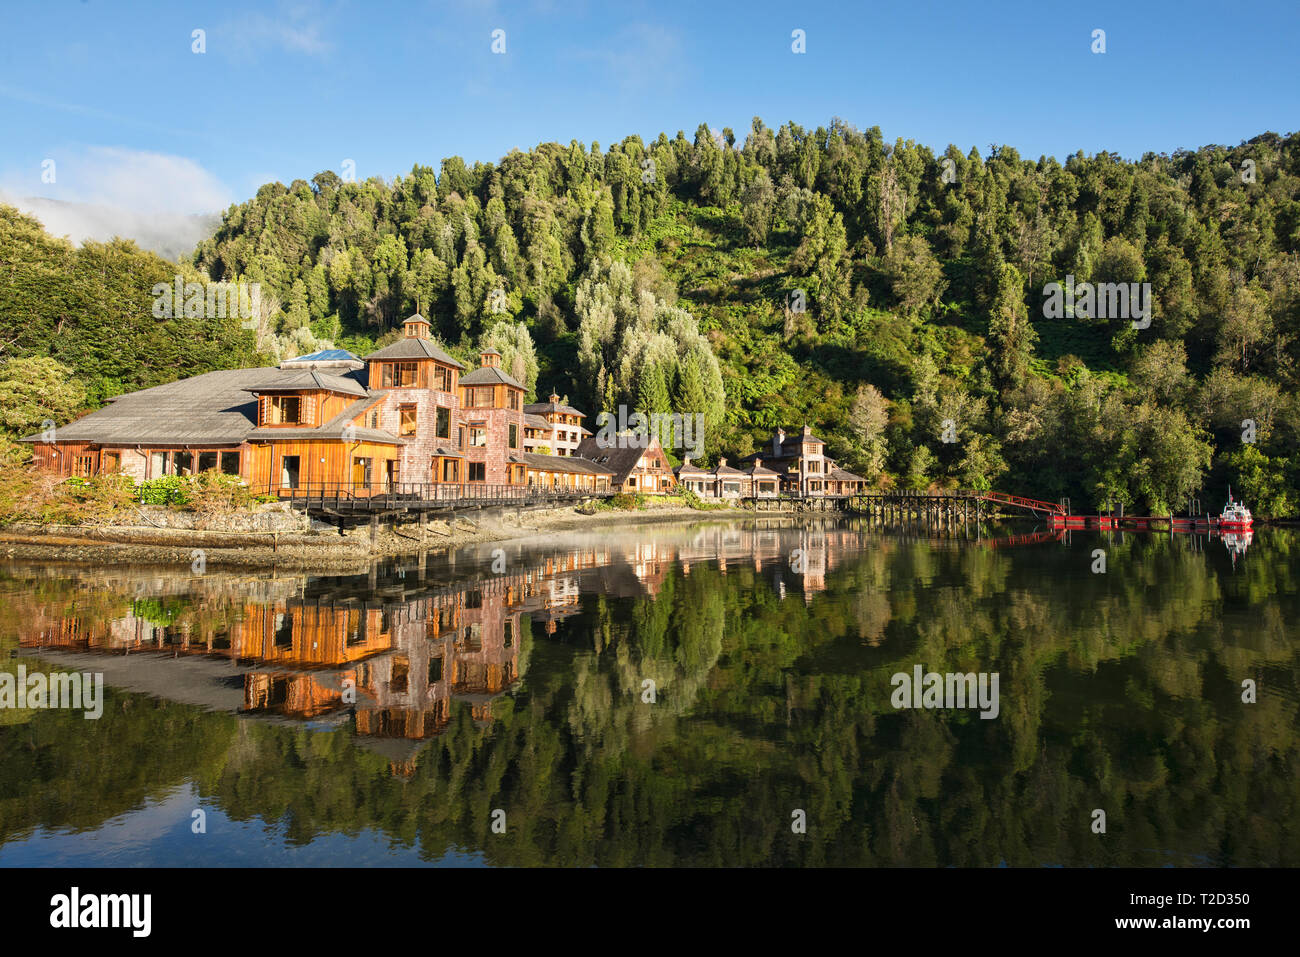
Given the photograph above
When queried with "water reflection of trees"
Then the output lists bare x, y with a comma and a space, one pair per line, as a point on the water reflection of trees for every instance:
1119, 691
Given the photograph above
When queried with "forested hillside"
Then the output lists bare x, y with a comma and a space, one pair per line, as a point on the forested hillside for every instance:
877, 292
77, 327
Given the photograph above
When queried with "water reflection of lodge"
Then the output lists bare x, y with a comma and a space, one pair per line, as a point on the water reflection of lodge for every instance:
397, 663
804, 556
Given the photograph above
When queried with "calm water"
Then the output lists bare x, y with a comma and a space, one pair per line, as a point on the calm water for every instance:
388, 718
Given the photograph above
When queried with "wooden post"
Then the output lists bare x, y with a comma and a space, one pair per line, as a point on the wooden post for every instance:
374, 532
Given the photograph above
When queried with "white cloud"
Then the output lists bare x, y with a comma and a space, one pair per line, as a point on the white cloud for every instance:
166, 203
297, 29
639, 56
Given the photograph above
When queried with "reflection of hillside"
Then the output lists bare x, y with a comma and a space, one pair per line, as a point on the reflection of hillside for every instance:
1119, 690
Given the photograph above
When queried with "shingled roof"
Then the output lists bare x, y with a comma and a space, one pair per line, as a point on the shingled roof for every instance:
209, 409
413, 347
488, 375
560, 463
620, 461
307, 380
690, 468
214, 408
542, 408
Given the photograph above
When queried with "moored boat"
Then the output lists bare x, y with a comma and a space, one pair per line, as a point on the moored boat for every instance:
1235, 515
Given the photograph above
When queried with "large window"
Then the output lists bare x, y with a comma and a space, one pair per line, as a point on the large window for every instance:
480, 397
400, 375
283, 630
408, 413
478, 436
478, 471
443, 422
283, 409
230, 463
514, 436
512, 399
398, 681
442, 378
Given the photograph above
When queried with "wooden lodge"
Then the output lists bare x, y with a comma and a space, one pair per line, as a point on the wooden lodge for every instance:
406, 421
408, 415
790, 465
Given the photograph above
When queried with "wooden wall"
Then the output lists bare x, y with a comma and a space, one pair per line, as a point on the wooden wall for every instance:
336, 466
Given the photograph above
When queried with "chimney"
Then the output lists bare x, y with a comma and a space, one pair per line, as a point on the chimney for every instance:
555, 398
722, 463
758, 463
807, 430
777, 441
490, 358
686, 461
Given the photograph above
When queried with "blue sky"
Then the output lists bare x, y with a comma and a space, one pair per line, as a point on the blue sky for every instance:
135, 119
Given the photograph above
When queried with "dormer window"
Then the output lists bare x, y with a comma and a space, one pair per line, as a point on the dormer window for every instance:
283, 410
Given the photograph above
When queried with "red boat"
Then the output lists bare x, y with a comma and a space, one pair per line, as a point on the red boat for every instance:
1235, 517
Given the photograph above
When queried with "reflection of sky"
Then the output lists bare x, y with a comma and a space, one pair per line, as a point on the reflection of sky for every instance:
158, 835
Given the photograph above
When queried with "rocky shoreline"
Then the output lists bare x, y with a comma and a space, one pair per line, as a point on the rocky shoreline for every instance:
319, 548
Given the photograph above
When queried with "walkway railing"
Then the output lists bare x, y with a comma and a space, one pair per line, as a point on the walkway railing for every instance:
349, 496
931, 499
1019, 501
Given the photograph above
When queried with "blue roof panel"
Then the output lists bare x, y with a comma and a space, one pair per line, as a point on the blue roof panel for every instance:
327, 355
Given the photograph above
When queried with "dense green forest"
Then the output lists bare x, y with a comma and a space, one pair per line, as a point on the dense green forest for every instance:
891, 298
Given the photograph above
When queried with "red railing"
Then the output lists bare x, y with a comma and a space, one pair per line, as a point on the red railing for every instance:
1019, 501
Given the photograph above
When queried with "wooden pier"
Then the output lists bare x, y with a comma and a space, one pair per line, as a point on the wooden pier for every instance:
947, 509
